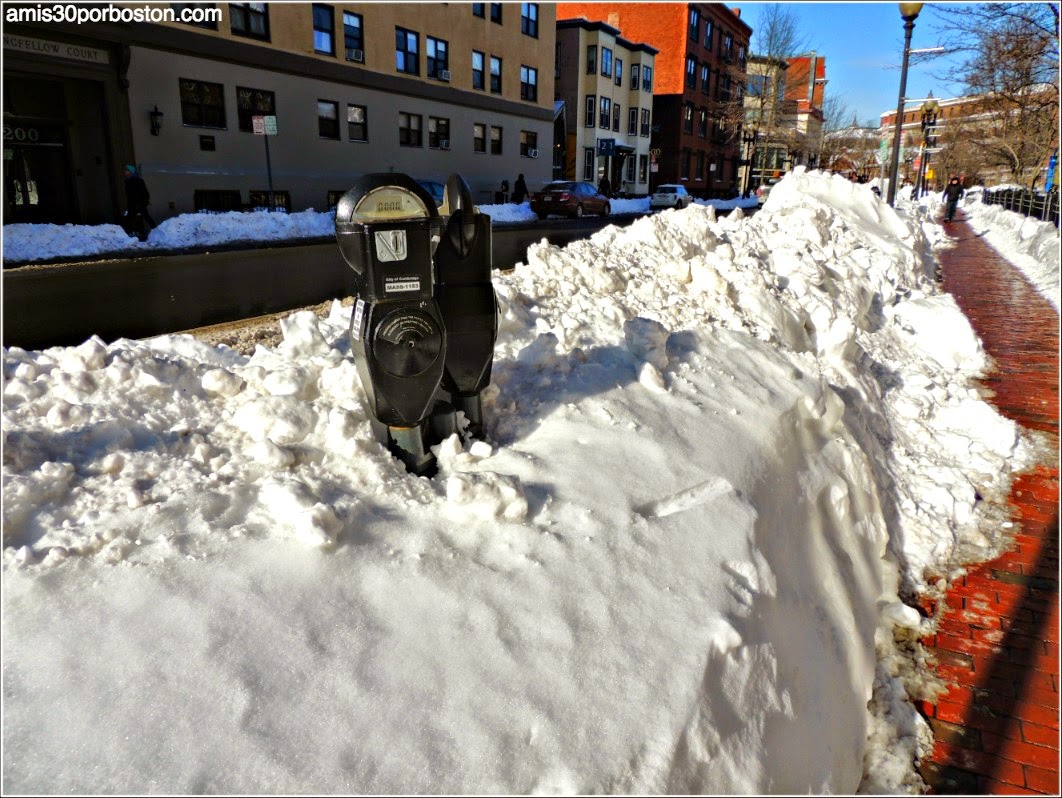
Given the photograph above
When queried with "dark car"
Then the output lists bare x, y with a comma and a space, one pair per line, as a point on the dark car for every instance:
569, 198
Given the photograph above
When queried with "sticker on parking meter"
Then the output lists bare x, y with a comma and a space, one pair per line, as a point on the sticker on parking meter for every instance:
359, 318
398, 285
390, 245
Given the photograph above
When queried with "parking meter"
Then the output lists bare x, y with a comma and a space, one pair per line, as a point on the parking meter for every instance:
388, 228
466, 299
425, 318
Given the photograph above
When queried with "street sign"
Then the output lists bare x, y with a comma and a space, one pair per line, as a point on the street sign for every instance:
264, 125
606, 146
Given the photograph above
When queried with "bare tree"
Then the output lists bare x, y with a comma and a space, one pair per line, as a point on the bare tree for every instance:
1010, 64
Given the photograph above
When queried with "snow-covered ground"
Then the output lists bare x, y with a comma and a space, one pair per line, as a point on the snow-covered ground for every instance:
41, 242
718, 452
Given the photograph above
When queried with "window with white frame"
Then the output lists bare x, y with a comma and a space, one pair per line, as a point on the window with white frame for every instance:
495, 140
438, 133
604, 115
528, 144
328, 119
478, 70
410, 130
591, 106
495, 74
357, 123
479, 137
437, 52
588, 163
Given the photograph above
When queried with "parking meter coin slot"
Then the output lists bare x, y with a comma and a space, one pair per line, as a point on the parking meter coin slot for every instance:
407, 343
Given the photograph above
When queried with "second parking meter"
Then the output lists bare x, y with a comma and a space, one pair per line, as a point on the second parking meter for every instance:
388, 228
466, 299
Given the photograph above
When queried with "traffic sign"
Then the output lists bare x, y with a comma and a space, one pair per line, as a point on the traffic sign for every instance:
264, 125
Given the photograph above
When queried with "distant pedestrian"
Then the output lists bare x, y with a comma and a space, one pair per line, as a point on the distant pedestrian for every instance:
605, 186
952, 194
137, 219
519, 189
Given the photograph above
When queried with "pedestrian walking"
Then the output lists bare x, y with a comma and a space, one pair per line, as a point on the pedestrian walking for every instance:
137, 219
605, 186
952, 194
519, 189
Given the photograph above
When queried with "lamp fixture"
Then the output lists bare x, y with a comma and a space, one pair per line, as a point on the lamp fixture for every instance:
156, 120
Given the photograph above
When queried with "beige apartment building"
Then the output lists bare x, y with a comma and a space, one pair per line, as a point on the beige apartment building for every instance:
422, 88
606, 85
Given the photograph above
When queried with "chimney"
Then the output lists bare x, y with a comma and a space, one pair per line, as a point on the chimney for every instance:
737, 12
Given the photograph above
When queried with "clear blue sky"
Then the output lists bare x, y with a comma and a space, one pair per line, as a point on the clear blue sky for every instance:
863, 45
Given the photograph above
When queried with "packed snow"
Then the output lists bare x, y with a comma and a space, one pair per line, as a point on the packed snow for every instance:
720, 454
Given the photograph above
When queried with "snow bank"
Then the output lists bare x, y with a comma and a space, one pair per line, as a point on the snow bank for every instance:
30, 242
717, 452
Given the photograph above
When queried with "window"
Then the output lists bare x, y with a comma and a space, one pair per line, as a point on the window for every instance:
495, 140
495, 74
253, 102
694, 23
409, 130
528, 144
756, 85
529, 19
724, 87
407, 56
438, 133
700, 165
635, 76
437, 52
324, 24
691, 72
479, 137
616, 114
357, 123
728, 48
643, 168
645, 123
606, 62
706, 78
528, 83
687, 117
632, 122
202, 103
702, 121
588, 163
619, 71
709, 30
591, 105
495, 13
479, 10
328, 119
477, 70
686, 162
647, 78
605, 112
630, 168
353, 37
591, 59
557, 60
741, 58
249, 19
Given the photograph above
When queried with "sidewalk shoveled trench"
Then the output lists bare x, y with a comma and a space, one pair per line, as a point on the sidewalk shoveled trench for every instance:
996, 726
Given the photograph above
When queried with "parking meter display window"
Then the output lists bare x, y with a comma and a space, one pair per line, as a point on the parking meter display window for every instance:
407, 342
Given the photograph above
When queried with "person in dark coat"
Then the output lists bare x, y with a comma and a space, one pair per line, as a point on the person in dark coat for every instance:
137, 219
519, 189
605, 186
953, 192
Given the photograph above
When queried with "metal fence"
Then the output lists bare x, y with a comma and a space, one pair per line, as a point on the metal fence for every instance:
1039, 206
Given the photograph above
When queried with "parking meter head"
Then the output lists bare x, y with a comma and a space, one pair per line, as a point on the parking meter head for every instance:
459, 207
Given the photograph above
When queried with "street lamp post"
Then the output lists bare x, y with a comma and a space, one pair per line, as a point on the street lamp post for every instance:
749, 139
930, 108
909, 12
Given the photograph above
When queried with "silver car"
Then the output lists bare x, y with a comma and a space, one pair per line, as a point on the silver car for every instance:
669, 195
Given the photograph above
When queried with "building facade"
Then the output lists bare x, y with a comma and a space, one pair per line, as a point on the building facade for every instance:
606, 86
699, 82
425, 89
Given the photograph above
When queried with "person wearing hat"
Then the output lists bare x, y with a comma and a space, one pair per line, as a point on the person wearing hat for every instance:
953, 192
137, 218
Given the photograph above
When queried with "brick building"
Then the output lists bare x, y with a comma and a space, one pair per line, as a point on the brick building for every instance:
700, 80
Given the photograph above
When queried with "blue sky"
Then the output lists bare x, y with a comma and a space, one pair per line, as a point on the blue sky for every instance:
863, 45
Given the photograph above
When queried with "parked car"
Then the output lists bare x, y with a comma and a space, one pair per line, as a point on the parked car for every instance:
765, 189
569, 198
437, 191
669, 196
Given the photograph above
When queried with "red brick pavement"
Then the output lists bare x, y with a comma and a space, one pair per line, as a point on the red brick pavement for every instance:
997, 643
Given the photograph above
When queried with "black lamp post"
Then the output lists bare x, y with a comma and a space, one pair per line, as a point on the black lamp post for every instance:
930, 109
909, 12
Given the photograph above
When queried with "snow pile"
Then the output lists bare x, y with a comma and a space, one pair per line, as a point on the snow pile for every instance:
1031, 245
717, 452
30, 242
212, 229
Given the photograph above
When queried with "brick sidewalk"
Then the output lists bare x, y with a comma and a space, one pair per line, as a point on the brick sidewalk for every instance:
997, 644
